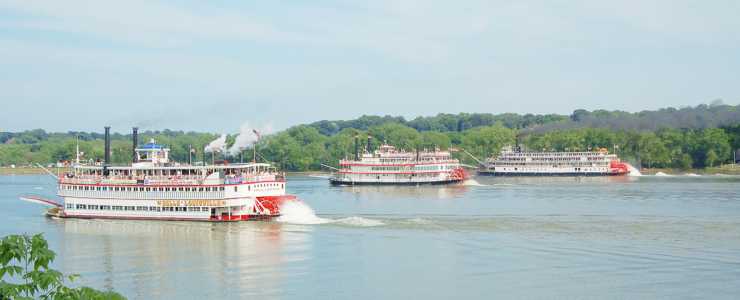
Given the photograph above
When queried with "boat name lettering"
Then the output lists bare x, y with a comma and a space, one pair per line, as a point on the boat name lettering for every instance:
168, 203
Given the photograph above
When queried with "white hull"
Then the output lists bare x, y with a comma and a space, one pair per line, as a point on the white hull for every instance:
393, 178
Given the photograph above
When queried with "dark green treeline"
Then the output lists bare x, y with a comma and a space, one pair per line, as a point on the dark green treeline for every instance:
692, 137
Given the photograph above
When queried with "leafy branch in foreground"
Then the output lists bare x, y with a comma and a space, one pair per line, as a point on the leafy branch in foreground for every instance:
25, 272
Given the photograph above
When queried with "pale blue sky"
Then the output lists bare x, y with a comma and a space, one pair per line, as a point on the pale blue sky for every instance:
195, 65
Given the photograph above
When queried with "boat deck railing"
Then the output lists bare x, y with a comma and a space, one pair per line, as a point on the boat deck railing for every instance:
168, 180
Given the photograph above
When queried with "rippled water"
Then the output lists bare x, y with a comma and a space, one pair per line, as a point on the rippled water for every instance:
628, 237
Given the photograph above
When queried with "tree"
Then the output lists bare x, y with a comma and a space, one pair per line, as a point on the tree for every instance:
26, 259
486, 141
396, 134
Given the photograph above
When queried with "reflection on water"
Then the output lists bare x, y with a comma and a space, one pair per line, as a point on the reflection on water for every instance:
229, 259
449, 191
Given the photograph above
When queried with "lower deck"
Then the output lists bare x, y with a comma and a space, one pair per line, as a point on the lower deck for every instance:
191, 210
394, 178
340, 182
572, 174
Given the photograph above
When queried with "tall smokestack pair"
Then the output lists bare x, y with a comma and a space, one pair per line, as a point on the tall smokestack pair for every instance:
369, 144
135, 142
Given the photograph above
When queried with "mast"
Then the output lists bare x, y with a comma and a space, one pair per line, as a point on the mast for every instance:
357, 147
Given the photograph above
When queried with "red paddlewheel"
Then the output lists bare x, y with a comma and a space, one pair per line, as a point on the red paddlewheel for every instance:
618, 167
459, 174
272, 203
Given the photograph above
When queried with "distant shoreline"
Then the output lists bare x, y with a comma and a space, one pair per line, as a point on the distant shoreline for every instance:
725, 170
28, 170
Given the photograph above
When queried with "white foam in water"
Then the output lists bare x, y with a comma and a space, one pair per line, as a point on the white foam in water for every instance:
662, 174
633, 171
298, 212
691, 174
419, 221
472, 182
358, 221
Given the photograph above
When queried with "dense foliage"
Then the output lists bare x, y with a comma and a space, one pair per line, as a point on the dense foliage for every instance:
702, 116
37, 146
692, 137
25, 272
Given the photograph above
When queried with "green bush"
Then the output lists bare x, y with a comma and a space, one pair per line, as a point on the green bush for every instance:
25, 272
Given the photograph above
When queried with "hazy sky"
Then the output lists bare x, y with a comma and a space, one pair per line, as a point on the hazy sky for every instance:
193, 65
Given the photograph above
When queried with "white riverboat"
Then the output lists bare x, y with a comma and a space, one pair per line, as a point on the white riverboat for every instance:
390, 166
522, 163
155, 188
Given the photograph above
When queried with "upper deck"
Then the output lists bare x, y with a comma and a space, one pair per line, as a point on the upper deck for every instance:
174, 174
151, 166
388, 155
510, 156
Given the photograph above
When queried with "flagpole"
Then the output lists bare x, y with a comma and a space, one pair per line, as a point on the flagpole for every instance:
254, 146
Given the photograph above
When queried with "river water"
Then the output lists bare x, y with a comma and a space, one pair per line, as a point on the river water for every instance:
626, 237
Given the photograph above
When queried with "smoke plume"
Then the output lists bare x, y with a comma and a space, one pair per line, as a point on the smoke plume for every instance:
217, 145
247, 137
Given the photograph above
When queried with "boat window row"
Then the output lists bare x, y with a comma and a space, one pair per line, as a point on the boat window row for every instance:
136, 208
539, 164
578, 158
530, 169
427, 168
141, 189
555, 154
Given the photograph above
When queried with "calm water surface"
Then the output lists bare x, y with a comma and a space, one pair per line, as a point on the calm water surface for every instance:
646, 237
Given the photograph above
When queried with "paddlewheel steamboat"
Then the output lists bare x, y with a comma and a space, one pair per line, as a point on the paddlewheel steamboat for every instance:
390, 166
523, 163
155, 188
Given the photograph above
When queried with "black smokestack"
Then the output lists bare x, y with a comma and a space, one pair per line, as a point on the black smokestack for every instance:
517, 148
135, 141
107, 145
357, 147
369, 144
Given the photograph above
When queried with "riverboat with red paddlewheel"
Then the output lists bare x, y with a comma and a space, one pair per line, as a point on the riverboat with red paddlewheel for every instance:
153, 187
390, 166
512, 162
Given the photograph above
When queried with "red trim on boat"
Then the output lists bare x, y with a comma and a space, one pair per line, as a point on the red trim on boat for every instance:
169, 186
395, 173
394, 165
217, 219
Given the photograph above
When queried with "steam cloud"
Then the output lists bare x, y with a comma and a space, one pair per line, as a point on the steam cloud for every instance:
217, 145
247, 136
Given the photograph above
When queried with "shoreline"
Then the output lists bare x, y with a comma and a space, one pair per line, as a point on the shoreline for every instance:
28, 170
724, 170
